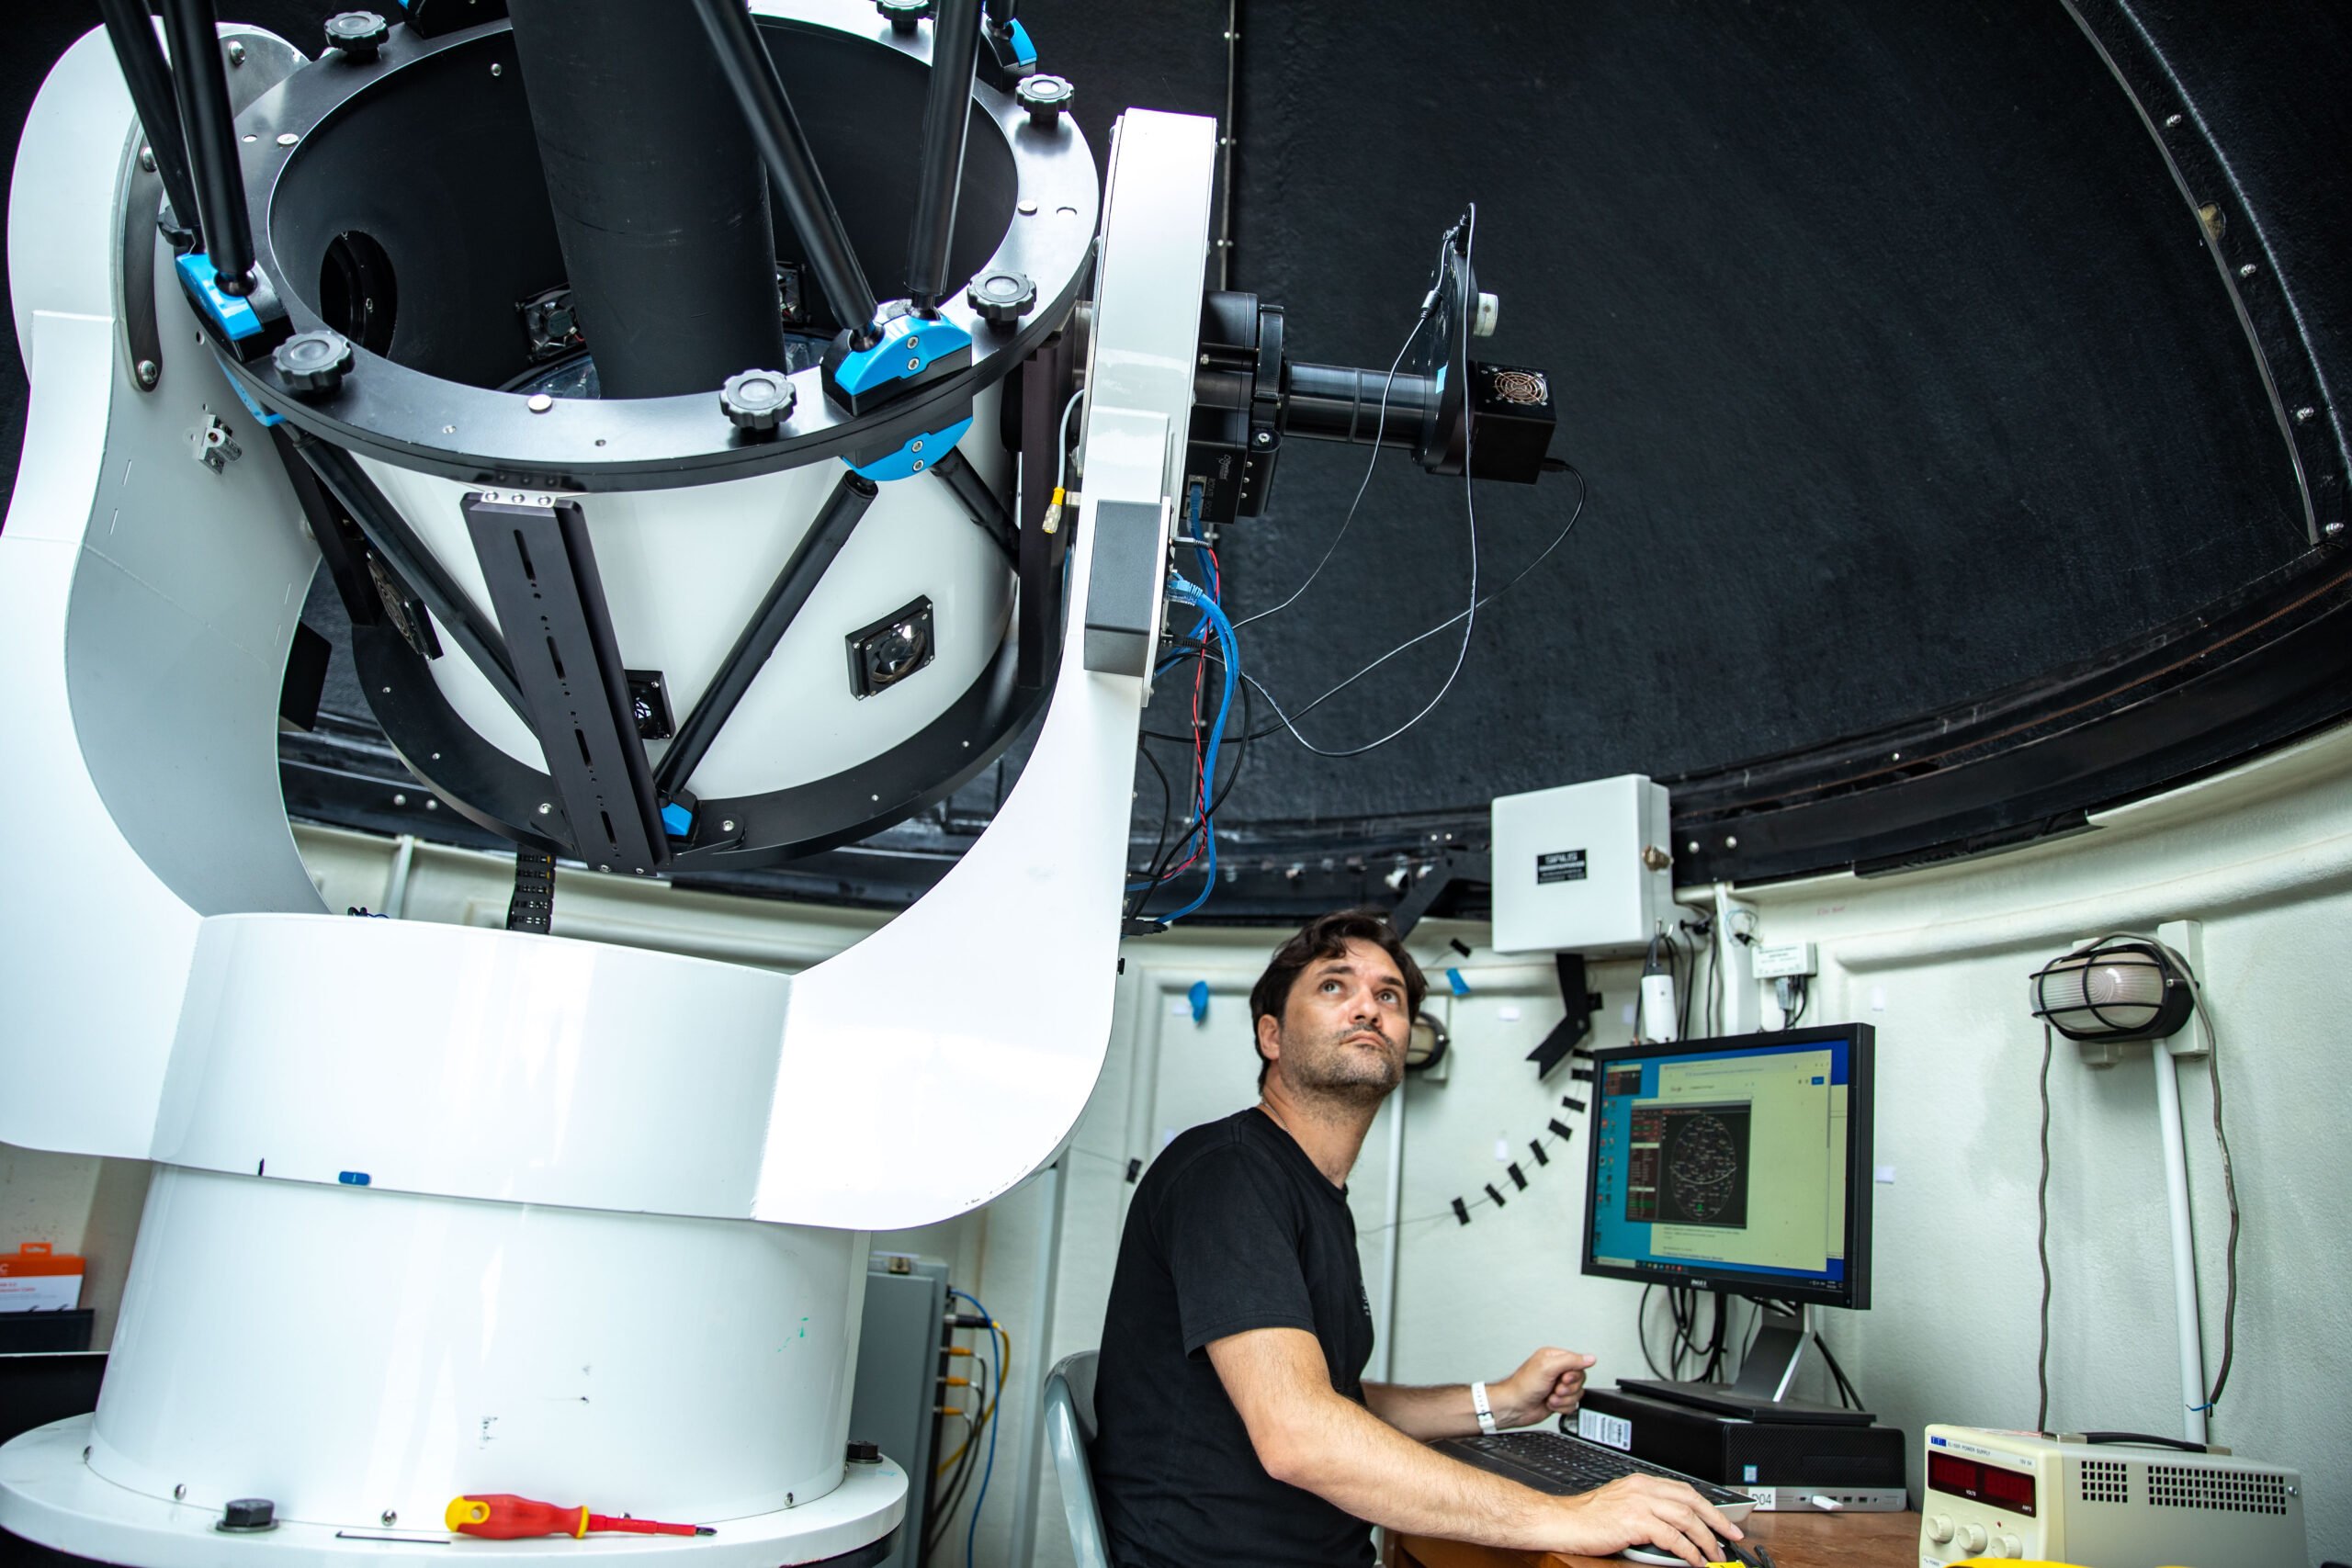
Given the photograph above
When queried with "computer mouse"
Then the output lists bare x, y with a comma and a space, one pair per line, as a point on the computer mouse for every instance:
1731, 1554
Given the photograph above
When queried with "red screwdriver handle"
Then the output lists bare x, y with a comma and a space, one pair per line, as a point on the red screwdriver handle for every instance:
502, 1516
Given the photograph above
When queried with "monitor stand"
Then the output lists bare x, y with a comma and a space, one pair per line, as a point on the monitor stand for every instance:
1761, 1392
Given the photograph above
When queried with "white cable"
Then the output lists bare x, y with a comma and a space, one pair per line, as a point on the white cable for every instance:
1379, 429
1469, 617
1061, 452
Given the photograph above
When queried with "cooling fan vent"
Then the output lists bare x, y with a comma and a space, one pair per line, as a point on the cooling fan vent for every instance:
2177, 1486
2105, 1481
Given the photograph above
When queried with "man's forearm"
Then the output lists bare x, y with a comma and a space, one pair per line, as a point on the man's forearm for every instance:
1426, 1414
1362, 1464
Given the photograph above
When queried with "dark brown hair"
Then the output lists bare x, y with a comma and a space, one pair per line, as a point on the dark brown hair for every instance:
1327, 936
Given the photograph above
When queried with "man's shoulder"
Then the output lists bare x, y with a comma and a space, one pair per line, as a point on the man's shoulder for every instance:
1213, 1149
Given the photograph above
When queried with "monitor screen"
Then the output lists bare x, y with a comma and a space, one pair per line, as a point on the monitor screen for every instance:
1739, 1163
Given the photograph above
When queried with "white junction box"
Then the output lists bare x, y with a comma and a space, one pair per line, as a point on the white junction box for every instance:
1783, 961
1582, 868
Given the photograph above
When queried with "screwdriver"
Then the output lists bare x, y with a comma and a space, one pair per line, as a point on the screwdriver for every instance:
502, 1516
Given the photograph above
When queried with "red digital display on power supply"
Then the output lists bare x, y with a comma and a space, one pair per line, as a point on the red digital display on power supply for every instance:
2009, 1490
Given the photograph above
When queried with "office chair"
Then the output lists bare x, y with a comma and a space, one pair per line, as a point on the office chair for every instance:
1070, 1428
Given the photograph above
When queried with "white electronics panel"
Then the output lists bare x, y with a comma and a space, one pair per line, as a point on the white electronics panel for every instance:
1582, 868
2023, 1495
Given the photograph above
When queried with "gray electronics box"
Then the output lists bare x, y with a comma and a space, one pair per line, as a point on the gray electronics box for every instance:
899, 1368
1582, 868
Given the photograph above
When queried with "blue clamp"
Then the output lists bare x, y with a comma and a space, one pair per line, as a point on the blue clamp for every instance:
263, 415
916, 455
1199, 997
676, 820
1456, 984
910, 345
352, 1178
234, 317
1024, 52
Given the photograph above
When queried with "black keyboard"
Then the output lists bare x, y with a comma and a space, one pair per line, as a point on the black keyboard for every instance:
1564, 1466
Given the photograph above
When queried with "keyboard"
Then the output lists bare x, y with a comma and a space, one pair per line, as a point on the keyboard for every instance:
1564, 1466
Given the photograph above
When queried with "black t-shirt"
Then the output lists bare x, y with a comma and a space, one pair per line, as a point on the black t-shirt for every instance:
1233, 1228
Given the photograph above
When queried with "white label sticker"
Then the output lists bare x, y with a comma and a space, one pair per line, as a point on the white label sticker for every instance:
1877, 998
1180, 1007
1629, 1012
1886, 1176
1613, 1430
1508, 1014
1502, 1150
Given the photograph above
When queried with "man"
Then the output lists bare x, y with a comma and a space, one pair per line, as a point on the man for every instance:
1234, 1427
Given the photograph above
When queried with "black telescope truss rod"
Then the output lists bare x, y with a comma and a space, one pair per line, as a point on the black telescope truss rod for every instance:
389, 533
947, 118
979, 504
852, 494
750, 70
202, 85
149, 80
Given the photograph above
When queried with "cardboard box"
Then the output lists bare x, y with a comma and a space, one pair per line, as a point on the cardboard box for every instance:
38, 1277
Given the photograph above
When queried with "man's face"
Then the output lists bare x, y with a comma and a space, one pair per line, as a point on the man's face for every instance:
1343, 1030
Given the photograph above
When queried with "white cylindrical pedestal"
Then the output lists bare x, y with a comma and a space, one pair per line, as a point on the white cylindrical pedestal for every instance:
352, 1353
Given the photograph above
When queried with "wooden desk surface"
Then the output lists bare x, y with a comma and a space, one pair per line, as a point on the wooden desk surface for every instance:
1798, 1540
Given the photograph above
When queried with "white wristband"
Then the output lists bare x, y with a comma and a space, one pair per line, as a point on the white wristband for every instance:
1485, 1412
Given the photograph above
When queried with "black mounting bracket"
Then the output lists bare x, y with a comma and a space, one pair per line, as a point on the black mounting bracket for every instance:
1567, 1036
541, 571
1421, 896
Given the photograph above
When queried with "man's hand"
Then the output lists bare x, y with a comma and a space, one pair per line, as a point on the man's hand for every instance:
1549, 1382
1647, 1510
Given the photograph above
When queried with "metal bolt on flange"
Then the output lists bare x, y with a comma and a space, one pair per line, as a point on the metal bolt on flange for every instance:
235, 51
147, 159
2248, 270
390, 1516
148, 373
179, 1492
2332, 530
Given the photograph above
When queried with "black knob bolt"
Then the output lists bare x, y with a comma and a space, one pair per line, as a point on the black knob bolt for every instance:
1045, 98
902, 15
360, 34
250, 1514
313, 362
757, 401
1001, 297
864, 1453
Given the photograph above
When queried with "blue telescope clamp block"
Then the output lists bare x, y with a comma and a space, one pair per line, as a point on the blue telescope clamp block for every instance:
247, 326
916, 455
912, 350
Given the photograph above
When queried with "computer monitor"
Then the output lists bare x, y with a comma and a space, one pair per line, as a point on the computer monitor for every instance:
1739, 1163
